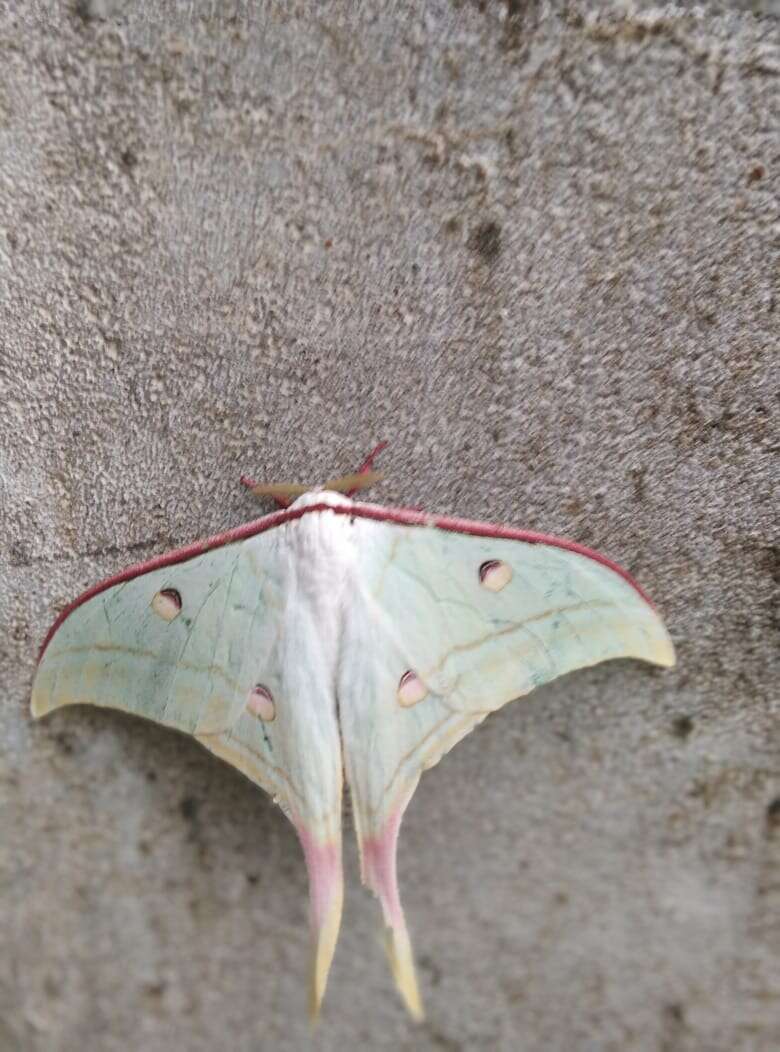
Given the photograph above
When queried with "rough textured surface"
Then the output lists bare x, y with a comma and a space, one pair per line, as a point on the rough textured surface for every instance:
537, 250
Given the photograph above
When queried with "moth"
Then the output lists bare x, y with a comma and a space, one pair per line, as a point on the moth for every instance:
337, 641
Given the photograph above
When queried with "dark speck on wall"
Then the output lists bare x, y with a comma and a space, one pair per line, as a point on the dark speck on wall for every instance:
485, 240
189, 806
638, 480
773, 813
682, 726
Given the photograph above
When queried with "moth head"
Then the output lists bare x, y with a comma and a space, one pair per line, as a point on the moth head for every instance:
322, 496
285, 493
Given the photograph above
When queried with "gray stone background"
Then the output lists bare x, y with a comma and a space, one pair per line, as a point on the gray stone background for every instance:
536, 248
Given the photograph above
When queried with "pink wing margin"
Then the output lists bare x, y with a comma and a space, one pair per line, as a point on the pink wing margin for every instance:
401, 516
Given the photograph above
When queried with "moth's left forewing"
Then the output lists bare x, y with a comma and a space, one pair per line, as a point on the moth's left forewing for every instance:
117, 650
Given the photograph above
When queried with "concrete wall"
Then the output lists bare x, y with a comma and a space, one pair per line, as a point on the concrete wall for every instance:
534, 248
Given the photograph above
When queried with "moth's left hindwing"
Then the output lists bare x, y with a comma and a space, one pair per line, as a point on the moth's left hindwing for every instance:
214, 647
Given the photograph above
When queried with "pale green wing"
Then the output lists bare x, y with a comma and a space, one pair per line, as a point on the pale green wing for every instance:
213, 647
444, 628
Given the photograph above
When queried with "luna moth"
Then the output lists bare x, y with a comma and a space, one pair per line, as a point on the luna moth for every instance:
337, 641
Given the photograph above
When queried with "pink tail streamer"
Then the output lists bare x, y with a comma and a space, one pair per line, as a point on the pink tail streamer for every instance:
379, 871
